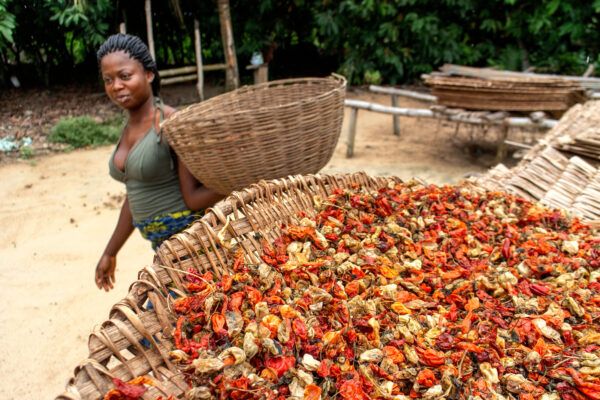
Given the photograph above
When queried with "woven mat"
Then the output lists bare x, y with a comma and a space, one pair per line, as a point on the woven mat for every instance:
552, 179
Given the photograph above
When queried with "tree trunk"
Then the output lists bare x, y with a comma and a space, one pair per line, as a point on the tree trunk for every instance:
232, 74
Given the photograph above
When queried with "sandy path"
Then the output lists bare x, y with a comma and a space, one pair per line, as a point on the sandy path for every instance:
56, 215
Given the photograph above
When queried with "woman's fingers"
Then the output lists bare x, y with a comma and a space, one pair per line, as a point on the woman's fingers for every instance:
105, 273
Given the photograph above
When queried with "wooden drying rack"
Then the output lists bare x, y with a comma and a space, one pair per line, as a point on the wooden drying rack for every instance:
537, 120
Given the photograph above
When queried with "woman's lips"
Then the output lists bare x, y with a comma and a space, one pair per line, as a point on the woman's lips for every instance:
122, 98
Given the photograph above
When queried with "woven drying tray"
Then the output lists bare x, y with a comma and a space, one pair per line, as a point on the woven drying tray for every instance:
265, 131
115, 349
553, 180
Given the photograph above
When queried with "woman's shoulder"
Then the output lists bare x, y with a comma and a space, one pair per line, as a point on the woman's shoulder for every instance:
168, 110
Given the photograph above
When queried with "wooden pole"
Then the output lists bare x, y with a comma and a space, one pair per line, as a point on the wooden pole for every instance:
408, 112
198, 48
191, 69
179, 79
148, 9
523, 122
589, 71
403, 93
351, 132
395, 117
232, 74
122, 28
501, 148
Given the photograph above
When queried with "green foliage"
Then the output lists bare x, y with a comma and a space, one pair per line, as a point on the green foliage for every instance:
7, 24
84, 131
26, 152
405, 38
84, 24
391, 41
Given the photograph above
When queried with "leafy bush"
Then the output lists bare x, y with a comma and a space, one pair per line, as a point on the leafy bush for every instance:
85, 131
26, 152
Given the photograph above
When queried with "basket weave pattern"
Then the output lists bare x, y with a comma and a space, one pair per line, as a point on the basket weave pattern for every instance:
244, 218
265, 131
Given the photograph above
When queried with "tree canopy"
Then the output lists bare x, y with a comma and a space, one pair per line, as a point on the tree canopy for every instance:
369, 41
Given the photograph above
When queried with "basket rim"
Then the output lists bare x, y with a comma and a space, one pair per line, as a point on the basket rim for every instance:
341, 80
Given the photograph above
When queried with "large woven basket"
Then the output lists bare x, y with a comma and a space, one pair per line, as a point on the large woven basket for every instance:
265, 131
116, 349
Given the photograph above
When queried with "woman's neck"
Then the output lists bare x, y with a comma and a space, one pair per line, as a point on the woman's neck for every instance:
142, 112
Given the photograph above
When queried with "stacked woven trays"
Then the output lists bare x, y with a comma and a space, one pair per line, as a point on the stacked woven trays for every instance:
577, 133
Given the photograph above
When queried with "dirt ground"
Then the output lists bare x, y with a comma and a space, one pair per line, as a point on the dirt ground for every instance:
57, 212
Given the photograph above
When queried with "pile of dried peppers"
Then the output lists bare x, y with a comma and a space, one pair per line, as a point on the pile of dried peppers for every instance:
411, 292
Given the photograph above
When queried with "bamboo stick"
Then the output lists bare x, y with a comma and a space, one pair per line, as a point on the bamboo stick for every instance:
189, 69
148, 10
198, 49
403, 93
523, 122
408, 112
518, 145
179, 79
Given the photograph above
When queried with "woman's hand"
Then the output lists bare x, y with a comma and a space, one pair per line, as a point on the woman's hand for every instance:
105, 272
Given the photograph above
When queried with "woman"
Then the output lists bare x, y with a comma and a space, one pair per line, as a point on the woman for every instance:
162, 196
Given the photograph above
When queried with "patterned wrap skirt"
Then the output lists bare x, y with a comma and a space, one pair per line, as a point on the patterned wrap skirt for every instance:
161, 227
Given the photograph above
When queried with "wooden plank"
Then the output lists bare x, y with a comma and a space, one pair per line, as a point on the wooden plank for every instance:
587, 82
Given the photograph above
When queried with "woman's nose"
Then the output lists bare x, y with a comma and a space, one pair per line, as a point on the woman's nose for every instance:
117, 84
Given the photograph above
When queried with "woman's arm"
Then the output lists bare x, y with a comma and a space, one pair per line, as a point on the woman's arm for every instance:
195, 195
105, 270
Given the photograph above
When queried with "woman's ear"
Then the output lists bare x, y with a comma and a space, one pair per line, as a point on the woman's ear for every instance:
150, 76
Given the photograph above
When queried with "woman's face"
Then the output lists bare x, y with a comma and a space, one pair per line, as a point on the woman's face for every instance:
126, 81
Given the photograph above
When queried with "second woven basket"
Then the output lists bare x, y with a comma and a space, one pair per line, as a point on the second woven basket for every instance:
265, 131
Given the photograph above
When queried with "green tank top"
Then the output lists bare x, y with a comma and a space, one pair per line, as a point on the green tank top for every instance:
150, 177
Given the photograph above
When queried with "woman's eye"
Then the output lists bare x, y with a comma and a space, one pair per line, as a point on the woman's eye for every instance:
126, 77
107, 80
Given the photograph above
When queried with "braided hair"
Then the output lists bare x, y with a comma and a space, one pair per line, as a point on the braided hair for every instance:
136, 49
